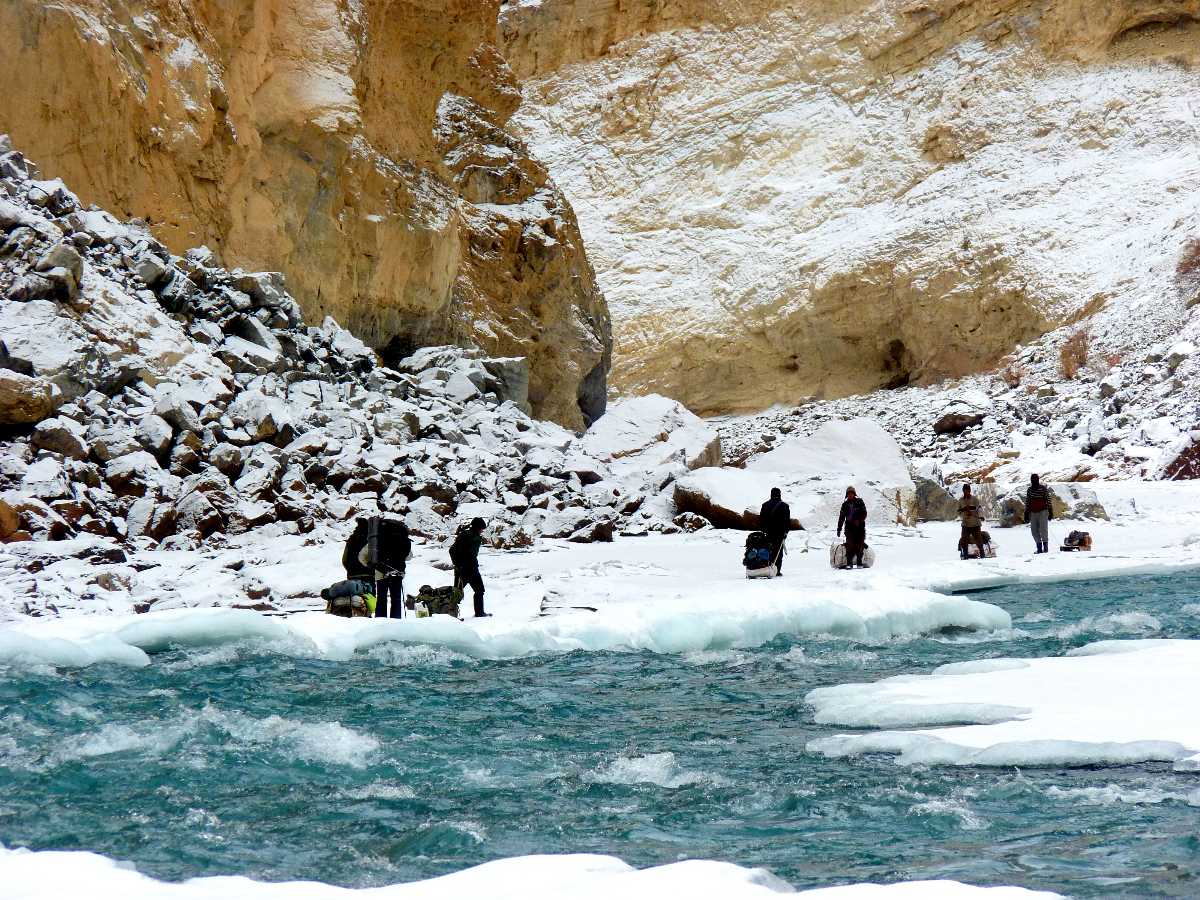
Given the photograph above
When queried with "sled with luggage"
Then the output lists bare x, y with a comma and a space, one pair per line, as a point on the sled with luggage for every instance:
840, 559
1077, 540
968, 550
757, 559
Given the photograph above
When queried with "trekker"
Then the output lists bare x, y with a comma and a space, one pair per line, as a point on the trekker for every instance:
853, 518
377, 551
1038, 513
971, 513
775, 520
464, 553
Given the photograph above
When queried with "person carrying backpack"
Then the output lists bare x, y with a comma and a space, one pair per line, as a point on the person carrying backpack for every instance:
1038, 513
853, 518
971, 513
464, 553
775, 520
377, 551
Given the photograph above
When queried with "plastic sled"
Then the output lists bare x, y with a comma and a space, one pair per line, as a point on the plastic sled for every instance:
837, 556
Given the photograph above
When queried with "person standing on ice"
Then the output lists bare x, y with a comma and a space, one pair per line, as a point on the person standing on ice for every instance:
464, 553
775, 520
1038, 513
853, 518
971, 513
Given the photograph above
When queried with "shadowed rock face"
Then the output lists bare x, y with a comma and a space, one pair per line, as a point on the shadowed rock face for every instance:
794, 199
326, 138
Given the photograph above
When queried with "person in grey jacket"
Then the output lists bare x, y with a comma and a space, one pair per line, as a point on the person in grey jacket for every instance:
1038, 513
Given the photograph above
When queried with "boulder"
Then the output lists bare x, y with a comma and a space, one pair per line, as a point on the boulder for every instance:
1179, 353
813, 473
196, 512
265, 418
728, 498
246, 357
510, 380
227, 458
148, 517
154, 434
46, 479
25, 400
956, 423
61, 435
1012, 511
10, 520
652, 434
174, 408
1073, 501
112, 442
133, 474
62, 256
38, 520
934, 503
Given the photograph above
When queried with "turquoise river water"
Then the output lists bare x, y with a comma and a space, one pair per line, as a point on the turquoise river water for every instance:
411, 761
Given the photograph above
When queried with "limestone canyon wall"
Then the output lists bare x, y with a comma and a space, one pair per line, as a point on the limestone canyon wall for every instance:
360, 146
786, 199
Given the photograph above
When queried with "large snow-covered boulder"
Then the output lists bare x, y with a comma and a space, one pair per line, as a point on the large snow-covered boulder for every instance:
813, 473
643, 435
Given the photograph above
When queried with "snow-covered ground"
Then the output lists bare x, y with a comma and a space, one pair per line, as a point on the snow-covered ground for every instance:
665, 593
46, 875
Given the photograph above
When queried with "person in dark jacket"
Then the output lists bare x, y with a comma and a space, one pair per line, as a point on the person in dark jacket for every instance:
853, 518
464, 553
1038, 513
377, 551
775, 520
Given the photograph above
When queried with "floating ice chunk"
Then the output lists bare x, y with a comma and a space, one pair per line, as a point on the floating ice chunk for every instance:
1114, 702
43, 875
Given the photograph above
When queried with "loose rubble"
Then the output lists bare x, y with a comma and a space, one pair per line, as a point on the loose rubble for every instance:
162, 402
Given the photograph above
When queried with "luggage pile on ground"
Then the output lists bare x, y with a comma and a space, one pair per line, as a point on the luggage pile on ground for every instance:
431, 601
1077, 540
350, 599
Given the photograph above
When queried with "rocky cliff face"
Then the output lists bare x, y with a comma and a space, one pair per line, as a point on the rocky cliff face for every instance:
360, 147
785, 199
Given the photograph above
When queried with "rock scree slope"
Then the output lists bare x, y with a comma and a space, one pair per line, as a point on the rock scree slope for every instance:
359, 147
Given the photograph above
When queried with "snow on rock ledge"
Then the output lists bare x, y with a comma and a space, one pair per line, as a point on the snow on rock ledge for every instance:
1111, 702
53, 874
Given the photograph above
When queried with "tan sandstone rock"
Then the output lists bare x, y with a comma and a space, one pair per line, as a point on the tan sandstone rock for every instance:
791, 199
319, 138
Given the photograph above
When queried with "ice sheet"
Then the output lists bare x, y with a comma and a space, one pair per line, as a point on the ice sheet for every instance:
1111, 702
665, 619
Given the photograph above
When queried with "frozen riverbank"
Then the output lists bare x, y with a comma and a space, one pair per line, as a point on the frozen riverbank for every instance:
42, 876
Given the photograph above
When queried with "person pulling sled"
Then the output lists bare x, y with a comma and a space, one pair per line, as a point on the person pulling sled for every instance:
853, 519
775, 521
